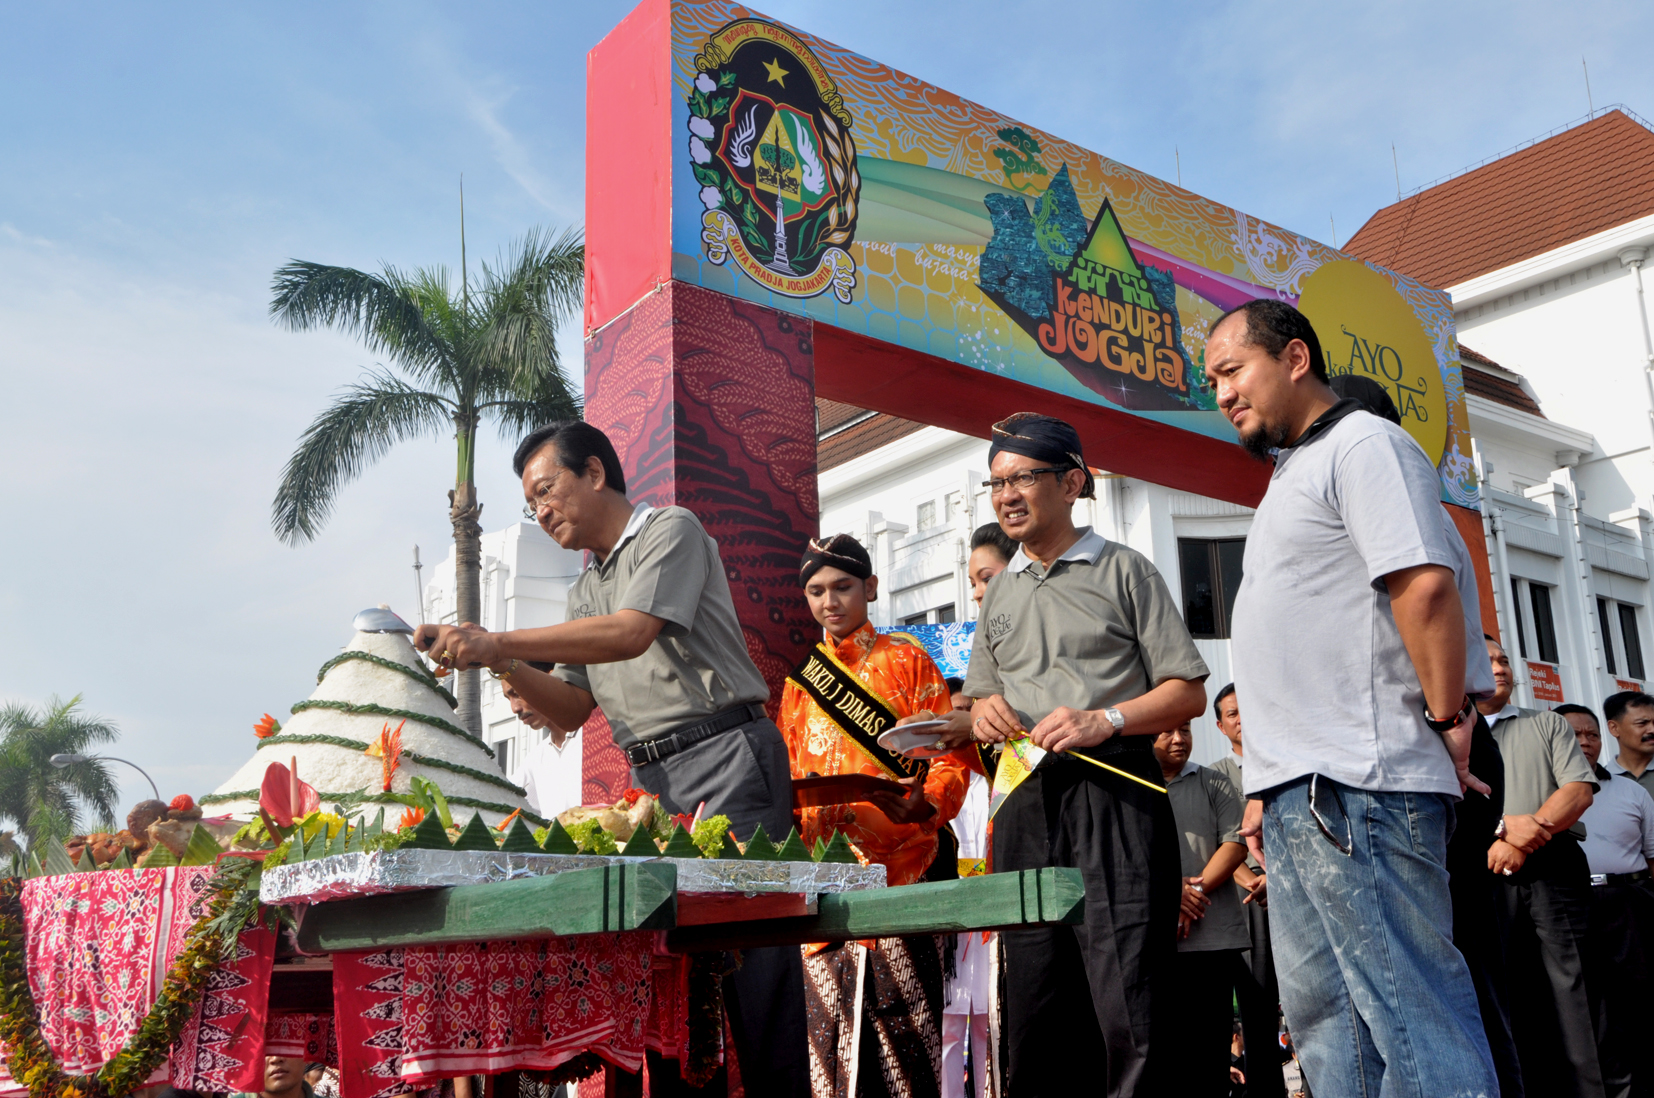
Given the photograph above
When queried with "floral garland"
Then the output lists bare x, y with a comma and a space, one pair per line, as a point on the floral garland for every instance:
30, 1059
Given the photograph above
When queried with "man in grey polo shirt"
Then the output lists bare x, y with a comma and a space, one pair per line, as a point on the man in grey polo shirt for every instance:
1080, 646
1211, 930
1630, 716
1351, 637
1545, 890
652, 637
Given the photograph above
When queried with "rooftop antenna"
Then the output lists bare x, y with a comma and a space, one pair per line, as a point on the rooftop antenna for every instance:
1589, 102
1396, 164
419, 586
1179, 155
1334, 225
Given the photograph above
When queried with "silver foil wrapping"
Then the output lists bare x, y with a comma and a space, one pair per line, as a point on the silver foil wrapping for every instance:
339, 876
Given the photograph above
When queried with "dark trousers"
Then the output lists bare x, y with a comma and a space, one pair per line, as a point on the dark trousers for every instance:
1481, 923
1548, 905
1201, 996
1088, 993
743, 774
1622, 917
1260, 1008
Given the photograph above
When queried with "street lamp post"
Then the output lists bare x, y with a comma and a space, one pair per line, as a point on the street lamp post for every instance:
70, 759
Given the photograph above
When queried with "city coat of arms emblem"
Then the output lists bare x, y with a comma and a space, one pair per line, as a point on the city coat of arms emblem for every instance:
770, 146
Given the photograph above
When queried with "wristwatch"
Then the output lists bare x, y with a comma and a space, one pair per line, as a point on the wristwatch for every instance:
1116, 718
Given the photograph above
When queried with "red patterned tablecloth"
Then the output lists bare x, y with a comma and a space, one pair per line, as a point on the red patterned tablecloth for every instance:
99, 946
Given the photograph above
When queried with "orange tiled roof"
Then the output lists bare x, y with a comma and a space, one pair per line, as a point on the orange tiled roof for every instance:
1483, 382
862, 436
1582, 181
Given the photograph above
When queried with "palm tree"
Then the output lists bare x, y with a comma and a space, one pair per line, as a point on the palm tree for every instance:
43, 801
490, 353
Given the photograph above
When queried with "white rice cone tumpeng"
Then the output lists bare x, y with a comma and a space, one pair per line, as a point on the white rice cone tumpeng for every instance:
431, 736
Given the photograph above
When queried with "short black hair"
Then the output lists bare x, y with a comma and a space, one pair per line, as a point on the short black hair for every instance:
955, 685
577, 441
1569, 707
1615, 705
991, 535
1218, 701
1272, 324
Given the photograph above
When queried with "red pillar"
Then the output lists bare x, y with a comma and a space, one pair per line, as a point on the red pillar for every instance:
710, 404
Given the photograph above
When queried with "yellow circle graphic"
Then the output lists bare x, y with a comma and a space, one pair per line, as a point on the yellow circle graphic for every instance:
1367, 328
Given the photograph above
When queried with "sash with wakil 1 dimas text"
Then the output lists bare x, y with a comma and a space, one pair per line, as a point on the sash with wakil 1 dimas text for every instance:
860, 714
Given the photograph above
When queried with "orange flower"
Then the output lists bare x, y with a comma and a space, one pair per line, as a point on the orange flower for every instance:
411, 817
267, 727
388, 748
505, 823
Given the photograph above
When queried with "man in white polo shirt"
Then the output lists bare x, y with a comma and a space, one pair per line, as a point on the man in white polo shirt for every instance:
1619, 845
1354, 651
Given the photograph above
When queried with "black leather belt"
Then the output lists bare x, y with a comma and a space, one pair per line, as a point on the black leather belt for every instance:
661, 747
1620, 878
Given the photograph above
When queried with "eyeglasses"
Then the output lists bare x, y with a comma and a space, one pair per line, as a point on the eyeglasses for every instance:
1336, 805
542, 498
1020, 481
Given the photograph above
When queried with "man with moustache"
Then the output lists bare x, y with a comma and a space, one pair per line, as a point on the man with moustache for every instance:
1081, 647
1352, 770
652, 637
1630, 716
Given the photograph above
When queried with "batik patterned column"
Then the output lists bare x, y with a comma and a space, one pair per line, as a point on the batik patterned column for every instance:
710, 402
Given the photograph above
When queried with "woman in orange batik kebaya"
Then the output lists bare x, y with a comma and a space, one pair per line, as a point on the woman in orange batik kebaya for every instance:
900, 979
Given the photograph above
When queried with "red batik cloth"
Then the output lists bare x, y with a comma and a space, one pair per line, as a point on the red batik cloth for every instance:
367, 1023
98, 948
668, 1030
308, 1037
221, 1049
487, 1007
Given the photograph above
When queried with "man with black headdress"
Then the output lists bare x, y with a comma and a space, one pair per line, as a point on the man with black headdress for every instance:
1081, 648
874, 1007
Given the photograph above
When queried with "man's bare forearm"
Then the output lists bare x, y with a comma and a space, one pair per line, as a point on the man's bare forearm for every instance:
1563, 808
609, 638
563, 705
1430, 619
1164, 708
1224, 861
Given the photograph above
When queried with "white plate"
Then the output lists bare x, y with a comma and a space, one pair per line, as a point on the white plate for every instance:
917, 740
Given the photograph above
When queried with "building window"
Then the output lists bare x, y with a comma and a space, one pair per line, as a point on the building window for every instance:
1211, 572
1632, 639
1516, 617
1607, 635
917, 619
1544, 626
945, 614
939, 616
953, 505
927, 514
502, 755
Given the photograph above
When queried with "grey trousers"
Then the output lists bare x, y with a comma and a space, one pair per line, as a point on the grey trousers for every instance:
743, 774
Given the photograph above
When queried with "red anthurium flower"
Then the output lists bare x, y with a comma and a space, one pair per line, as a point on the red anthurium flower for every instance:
277, 795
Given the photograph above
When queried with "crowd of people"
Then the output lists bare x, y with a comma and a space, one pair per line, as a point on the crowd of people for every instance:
1403, 885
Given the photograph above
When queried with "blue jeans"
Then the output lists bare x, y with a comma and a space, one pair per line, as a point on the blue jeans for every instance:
1378, 999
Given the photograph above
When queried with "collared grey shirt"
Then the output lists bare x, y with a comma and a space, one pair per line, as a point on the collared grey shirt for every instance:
666, 565
1328, 685
1208, 814
1097, 628
1645, 779
1621, 825
1541, 755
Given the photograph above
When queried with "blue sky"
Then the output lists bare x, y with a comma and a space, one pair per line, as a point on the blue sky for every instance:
158, 162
